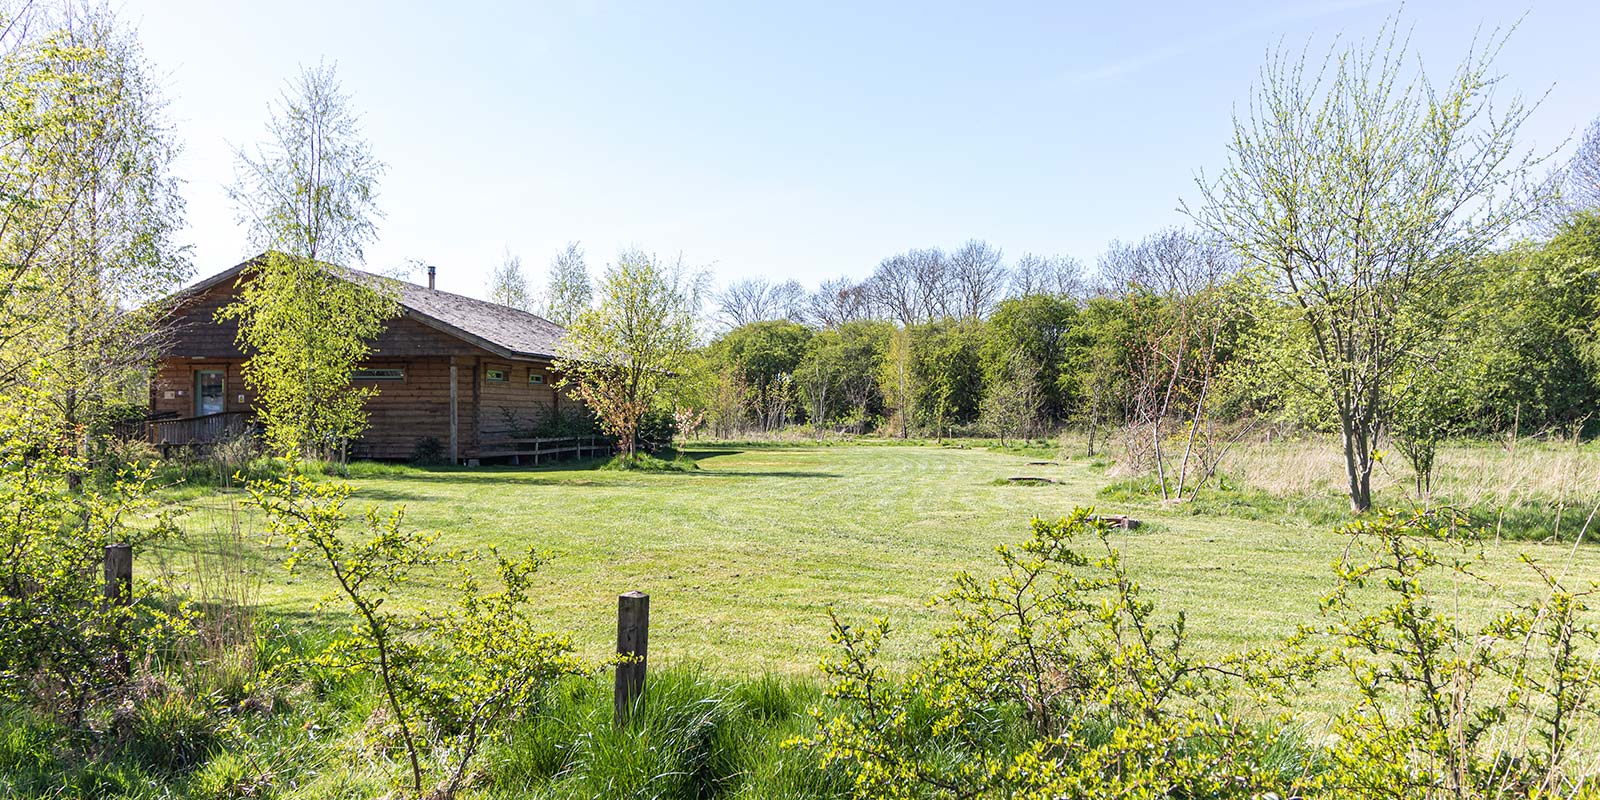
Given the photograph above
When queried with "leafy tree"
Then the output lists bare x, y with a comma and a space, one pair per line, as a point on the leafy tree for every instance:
91, 210
308, 197
1038, 329
840, 371
508, 286
945, 383
766, 354
898, 380
1357, 192
567, 292
1097, 376
1012, 399
1428, 402
620, 354
1535, 341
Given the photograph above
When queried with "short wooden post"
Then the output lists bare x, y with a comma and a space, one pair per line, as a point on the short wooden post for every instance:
119, 592
119, 574
633, 633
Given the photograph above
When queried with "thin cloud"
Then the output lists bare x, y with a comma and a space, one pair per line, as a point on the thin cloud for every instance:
1130, 64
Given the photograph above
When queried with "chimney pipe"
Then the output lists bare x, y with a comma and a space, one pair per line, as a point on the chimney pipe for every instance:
431, 270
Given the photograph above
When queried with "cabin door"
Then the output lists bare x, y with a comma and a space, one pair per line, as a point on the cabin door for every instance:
210, 392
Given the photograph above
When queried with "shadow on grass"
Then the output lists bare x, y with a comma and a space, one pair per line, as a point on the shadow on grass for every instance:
699, 455
759, 473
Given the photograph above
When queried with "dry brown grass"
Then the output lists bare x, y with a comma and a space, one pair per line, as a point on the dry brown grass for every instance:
1562, 478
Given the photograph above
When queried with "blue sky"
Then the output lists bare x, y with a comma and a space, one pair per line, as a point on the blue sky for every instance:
795, 140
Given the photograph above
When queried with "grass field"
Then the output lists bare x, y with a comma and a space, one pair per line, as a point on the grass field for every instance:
743, 556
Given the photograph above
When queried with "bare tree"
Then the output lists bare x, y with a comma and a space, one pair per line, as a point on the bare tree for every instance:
757, 300
894, 287
1055, 275
1581, 178
978, 277
568, 291
508, 286
836, 302
1173, 284
935, 289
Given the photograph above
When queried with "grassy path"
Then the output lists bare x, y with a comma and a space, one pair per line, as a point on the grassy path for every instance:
743, 557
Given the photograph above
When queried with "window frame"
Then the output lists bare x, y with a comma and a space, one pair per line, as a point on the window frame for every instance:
371, 375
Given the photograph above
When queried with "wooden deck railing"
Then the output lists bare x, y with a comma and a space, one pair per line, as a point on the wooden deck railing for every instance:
206, 429
538, 449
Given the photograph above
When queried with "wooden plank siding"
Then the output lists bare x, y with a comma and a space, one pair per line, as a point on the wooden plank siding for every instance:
403, 413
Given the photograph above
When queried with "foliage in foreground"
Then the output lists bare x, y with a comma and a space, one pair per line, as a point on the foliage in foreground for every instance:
292, 729
1058, 679
63, 646
448, 677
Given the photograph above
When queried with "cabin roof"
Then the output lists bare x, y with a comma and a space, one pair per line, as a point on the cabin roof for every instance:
506, 331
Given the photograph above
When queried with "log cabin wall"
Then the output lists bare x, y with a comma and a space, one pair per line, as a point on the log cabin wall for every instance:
172, 389
514, 405
408, 409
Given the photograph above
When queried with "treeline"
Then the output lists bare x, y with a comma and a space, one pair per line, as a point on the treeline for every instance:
1162, 321
1170, 329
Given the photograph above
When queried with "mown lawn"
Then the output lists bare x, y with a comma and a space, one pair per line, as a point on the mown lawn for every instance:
743, 557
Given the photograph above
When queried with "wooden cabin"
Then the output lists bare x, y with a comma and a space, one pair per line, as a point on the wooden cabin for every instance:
469, 377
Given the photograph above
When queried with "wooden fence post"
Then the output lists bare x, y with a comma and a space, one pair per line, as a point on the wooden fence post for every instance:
119, 574
633, 630
119, 592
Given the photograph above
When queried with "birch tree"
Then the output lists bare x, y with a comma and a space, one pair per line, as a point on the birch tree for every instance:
91, 212
508, 286
568, 291
308, 194
1358, 190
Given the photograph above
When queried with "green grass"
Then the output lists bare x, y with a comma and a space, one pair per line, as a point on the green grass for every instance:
743, 555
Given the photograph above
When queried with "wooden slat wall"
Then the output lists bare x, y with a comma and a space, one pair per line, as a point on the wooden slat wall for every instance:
515, 404
176, 377
406, 412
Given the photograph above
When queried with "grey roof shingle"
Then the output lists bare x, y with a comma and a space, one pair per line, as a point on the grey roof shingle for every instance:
517, 332
497, 328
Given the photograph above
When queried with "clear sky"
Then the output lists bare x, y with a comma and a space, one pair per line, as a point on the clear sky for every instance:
785, 140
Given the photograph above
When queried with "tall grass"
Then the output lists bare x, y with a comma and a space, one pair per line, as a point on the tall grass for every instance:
1534, 490
693, 736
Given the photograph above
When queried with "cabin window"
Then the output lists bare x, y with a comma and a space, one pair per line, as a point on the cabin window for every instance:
535, 378
394, 374
495, 375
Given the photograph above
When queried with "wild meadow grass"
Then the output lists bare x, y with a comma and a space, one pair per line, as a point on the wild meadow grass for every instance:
1523, 490
742, 556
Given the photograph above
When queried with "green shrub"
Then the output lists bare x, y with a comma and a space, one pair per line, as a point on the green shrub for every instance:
455, 673
1055, 679
61, 645
173, 732
428, 452
692, 737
